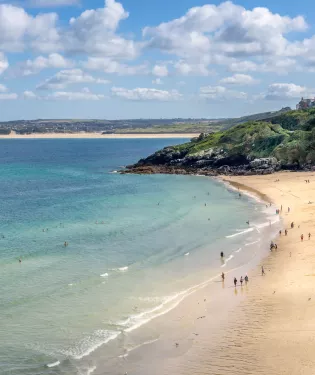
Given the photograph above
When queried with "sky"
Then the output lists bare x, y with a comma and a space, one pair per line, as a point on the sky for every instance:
154, 58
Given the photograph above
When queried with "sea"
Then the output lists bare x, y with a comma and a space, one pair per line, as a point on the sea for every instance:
136, 246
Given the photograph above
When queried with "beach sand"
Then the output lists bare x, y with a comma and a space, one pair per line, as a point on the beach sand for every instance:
263, 328
13, 135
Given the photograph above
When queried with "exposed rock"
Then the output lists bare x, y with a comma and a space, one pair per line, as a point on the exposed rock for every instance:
264, 163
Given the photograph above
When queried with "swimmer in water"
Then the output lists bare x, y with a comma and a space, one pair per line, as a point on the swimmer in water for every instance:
247, 222
20, 260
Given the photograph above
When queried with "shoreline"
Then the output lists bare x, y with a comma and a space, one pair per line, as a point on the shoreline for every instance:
269, 330
185, 307
279, 309
98, 136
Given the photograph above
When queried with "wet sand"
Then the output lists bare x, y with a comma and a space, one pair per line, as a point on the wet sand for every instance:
264, 328
13, 135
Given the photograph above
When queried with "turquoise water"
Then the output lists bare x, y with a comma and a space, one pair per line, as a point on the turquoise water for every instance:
136, 244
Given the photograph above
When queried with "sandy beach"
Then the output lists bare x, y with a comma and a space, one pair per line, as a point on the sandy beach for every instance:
263, 328
276, 321
13, 135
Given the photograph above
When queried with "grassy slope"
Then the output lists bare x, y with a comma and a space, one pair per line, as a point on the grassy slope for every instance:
289, 137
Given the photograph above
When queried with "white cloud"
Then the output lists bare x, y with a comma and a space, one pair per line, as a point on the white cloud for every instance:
9, 96
4, 64
3, 88
239, 79
92, 32
53, 3
226, 30
54, 61
243, 66
220, 93
110, 66
185, 68
85, 94
160, 70
285, 91
146, 94
17, 27
29, 95
67, 77
157, 81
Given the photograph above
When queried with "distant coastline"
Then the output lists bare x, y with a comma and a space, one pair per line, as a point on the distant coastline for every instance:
83, 135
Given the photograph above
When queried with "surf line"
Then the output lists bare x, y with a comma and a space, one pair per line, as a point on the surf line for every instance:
240, 233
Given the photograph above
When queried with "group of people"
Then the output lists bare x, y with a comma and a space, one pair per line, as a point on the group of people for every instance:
302, 237
235, 279
241, 280
273, 246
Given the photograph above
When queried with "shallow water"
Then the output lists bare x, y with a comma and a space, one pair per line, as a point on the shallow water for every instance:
137, 246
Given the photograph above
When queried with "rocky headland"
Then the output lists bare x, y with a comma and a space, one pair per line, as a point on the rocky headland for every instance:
285, 142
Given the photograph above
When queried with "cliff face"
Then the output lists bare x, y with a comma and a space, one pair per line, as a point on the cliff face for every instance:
284, 142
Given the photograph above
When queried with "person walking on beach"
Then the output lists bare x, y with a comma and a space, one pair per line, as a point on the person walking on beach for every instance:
288, 209
241, 280
223, 276
246, 279
280, 232
302, 237
235, 281
309, 236
286, 232
222, 254
262, 271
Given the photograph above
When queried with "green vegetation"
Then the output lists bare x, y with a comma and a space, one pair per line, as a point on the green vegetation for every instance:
290, 137
202, 127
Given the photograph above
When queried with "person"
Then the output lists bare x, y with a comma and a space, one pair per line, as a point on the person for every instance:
286, 232
239, 194
276, 246
246, 279
302, 237
235, 281
280, 232
281, 208
309, 236
288, 209
292, 225
205, 204
262, 271
222, 254
241, 280
223, 276
20, 260
247, 222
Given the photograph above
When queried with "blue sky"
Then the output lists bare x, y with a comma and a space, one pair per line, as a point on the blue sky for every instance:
151, 59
